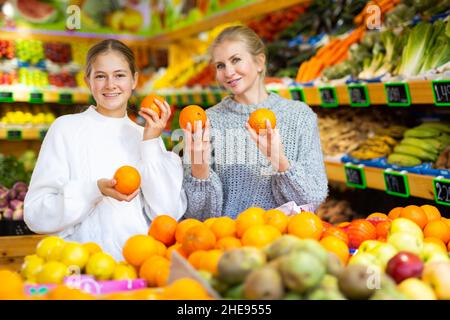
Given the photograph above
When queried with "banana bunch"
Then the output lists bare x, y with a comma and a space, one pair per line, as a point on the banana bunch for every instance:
421, 144
374, 147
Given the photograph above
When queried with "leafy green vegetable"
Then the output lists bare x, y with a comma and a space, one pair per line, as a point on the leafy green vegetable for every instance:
11, 171
414, 53
438, 52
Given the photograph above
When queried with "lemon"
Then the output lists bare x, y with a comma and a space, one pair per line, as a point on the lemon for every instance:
74, 254
101, 265
31, 266
124, 271
50, 248
52, 272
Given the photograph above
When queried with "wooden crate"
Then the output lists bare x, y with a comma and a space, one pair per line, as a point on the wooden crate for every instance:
13, 249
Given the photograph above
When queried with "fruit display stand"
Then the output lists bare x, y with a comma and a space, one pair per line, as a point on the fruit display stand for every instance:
419, 185
13, 249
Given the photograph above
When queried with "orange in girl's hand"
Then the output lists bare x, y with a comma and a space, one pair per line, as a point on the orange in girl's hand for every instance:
149, 103
128, 180
258, 119
191, 114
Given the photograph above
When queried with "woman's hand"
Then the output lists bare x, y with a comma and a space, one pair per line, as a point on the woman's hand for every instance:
106, 187
269, 143
198, 146
155, 125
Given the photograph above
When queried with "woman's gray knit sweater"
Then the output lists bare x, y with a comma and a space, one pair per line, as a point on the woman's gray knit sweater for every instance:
242, 177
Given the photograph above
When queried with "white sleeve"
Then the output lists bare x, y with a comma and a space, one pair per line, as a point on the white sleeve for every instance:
54, 203
162, 180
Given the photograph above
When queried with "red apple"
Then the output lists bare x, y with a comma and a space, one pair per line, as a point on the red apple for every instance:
404, 265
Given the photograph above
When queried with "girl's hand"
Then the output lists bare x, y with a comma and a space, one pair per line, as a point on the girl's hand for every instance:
269, 143
198, 146
106, 187
154, 124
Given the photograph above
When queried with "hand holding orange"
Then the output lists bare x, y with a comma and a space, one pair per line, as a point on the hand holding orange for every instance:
149, 103
259, 118
128, 180
191, 114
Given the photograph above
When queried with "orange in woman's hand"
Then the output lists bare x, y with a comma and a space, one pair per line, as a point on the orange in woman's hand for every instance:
128, 180
258, 119
191, 114
149, 103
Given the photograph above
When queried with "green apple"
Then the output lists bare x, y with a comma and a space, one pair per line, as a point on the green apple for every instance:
416, 289
437, 275
432, 252
368, 245
406, 242
365, 259
402, 225
384, 252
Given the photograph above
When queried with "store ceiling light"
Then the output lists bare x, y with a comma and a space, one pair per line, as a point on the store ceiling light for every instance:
8, 10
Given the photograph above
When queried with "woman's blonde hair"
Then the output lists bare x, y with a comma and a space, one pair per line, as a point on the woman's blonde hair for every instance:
252, 41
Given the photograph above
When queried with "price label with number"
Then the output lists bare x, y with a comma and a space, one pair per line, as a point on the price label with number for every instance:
14, 135
442, 191
297, 94
42, 133
65, 98
217, 96
329, 97
396, 184
205, 100
397, 94
36, 97
441, 92
6, 97
355, 176
359, 96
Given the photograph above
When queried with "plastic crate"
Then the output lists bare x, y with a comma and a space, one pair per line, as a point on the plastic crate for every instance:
14, 228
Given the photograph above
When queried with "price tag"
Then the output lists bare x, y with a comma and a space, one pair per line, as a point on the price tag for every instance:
65, 98
397, 94
179, 100
36, 97
190, 98
355, 176
329, 97
91, 99
441, 92
217, 96
205, 101
14, 135
359, 96
297, 94
6, 97
396, 183
441, 191
42, 133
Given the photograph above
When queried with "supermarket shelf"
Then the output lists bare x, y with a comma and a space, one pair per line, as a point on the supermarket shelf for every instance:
62, 96
419, 185
421, 93
13, 249
242, 13
20, 134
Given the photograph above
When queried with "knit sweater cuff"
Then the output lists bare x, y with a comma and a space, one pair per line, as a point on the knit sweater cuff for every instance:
292, 172
199, 182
